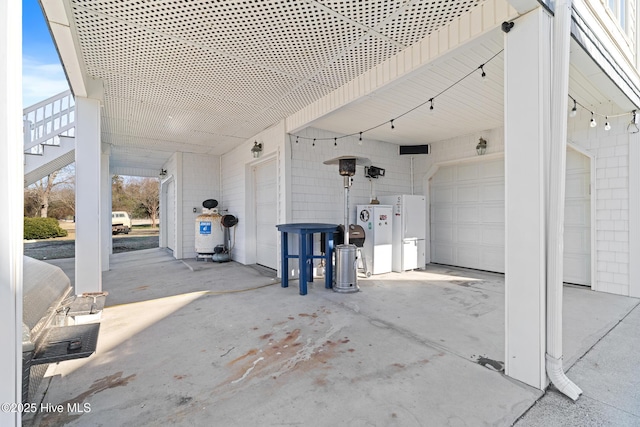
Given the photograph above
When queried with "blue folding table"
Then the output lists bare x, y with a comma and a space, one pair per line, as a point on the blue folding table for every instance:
305, 232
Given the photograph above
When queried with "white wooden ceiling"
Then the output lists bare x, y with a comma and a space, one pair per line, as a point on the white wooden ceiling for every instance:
202, 76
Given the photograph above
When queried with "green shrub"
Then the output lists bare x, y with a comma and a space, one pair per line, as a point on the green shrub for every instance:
42, 228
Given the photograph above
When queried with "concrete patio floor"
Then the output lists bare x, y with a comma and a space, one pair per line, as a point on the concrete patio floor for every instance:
195, 343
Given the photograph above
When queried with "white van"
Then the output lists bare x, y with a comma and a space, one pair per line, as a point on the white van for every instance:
120, 222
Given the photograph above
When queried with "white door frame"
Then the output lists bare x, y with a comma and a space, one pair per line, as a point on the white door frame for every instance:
250, 203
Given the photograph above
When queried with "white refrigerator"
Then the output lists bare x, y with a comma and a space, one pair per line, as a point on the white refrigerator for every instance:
376, 220
409, 231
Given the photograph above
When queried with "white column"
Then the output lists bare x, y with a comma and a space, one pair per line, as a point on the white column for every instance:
179, 227
527, 120
88, 189
11, 194
634, 214
106, 206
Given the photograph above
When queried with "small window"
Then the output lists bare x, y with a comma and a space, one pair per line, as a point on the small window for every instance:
618, 9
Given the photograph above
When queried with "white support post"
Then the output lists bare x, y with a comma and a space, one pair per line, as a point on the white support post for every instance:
11, 194
88, 200
107, 244
179, 226
527, 120
634, 214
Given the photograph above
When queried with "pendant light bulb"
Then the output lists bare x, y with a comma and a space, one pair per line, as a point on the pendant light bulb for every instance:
593, 121
574, 110
360, 140
607, 125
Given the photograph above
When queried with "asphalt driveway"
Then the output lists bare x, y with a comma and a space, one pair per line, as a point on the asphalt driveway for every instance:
59, 248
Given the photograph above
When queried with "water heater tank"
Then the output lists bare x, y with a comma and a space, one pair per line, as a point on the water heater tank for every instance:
209, 232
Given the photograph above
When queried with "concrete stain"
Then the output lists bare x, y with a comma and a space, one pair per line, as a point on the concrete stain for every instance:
102, 384
251, 352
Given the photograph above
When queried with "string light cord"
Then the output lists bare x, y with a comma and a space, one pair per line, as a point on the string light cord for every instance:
576, 102
422, 104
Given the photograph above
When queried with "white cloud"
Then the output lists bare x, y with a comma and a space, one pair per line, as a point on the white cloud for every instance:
41, 81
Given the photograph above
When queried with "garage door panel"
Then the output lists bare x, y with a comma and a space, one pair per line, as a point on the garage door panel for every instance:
493, 192
492, 213
442, 214
493, 236
442, 233
492, 259
467, 194
467, 173
468, 256
442, 194
492, 169
576, 268
442, 254
577, 213
468, 234
577, 162
575, 240
577, 187
467, 214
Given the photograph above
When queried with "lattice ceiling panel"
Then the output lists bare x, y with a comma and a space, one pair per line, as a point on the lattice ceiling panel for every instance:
421, 17
370, 52
368, 13
230, 68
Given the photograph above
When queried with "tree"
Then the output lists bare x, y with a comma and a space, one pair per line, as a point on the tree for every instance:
121, 197
39, 196
146, 193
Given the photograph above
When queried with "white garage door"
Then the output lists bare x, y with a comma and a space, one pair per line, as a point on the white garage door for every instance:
266, 198
467, 217
577, 224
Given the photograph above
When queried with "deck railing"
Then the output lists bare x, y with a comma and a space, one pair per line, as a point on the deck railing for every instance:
45, 121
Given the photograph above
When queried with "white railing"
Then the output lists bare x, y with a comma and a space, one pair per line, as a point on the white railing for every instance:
46, 121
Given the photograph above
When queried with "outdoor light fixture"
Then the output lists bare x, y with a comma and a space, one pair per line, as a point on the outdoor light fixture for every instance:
632, 127
481, 148
256, 150
593, 121
163, 173
607, 125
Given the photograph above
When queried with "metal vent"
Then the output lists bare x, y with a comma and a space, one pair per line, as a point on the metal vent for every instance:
224, 70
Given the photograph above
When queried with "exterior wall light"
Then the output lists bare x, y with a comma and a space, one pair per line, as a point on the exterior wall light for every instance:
481, 148
256, 150
163, 173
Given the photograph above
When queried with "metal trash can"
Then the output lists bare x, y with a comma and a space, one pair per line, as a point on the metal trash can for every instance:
346, 269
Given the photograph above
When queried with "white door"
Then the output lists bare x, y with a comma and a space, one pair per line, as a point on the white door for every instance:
266, 203
577, 220
467, 217
171, 215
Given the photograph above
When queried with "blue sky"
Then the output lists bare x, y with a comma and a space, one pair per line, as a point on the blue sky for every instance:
42, 74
